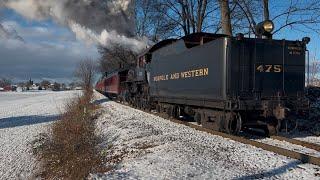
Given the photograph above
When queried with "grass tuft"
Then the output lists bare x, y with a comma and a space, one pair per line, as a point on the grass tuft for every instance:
69, 151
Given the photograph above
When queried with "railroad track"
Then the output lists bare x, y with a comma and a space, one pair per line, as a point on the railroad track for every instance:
297, 142
303, 157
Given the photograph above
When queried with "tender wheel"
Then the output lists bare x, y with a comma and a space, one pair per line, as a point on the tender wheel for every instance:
273, 127
197, 118
289, 125
158, 108
271, 130
234, 124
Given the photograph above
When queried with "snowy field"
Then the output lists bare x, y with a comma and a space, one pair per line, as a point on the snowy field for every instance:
147, 146
23, 115
155, 148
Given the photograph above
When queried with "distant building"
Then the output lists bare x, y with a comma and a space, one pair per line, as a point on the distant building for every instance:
14, 87
20, 89
34, 87
7, 88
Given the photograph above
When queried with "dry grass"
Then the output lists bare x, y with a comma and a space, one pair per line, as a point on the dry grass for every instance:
70, 152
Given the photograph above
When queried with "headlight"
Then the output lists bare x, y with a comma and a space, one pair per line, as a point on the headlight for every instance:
268, 26
265, 28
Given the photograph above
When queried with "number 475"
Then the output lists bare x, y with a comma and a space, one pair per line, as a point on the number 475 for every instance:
269, 68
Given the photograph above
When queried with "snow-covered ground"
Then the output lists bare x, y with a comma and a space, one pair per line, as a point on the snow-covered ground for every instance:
155, 148
23, 115
307, 137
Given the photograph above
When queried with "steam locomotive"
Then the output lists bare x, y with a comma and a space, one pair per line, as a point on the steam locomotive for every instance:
224, 83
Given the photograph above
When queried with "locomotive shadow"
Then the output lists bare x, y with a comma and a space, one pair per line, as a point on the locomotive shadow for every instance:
101, 101
273, 172
12, 122
301, 134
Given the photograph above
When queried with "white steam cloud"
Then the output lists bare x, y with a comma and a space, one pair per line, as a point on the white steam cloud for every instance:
105, 22
9, 33
107, 39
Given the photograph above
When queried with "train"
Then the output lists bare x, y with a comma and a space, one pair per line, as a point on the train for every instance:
223, 83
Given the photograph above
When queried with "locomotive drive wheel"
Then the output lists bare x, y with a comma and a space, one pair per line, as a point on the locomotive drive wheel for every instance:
179, 112
168, 111
172, 111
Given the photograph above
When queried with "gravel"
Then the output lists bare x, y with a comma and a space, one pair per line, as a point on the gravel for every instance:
149, 147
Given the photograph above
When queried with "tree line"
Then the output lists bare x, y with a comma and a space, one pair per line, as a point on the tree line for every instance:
162, 19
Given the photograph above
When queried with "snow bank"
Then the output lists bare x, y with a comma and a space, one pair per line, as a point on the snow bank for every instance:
23, 116
155, 148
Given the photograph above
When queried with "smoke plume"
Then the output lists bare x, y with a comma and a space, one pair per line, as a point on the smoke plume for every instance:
106, 22
9, 33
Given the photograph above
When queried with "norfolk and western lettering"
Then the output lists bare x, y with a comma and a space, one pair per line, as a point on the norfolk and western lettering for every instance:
183, 75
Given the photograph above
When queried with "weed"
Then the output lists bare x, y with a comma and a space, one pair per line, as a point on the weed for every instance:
69, 151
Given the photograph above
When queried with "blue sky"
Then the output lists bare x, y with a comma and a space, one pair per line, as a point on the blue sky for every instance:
51, 51
276, 7
313, 46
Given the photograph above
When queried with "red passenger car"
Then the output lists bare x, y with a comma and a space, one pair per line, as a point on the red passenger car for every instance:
100, 86
113, 84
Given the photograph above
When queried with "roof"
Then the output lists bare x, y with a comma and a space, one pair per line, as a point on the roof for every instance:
161, 44
195, 37
199, 35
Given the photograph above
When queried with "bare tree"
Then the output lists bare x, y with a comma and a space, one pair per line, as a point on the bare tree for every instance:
183, 17
149, 23
225, 17
314, 71
116, 58
266, 10
45, 84
85, 72
298, 14
5, 82
294, 15
162, 19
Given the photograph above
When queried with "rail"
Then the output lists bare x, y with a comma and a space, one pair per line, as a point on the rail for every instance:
305, 158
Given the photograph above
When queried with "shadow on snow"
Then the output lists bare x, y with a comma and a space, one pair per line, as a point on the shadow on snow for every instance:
272, 173
25, 121
100, 101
